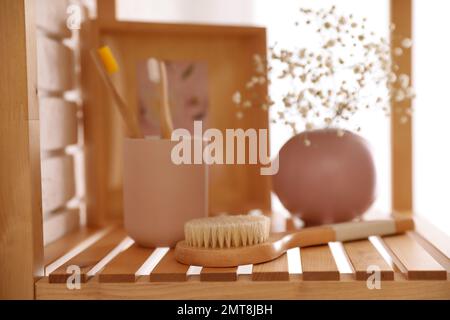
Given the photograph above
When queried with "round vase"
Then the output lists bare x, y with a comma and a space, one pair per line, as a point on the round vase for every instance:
330, 179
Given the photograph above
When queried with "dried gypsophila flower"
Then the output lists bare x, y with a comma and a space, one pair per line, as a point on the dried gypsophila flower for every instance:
237, 98
368, 62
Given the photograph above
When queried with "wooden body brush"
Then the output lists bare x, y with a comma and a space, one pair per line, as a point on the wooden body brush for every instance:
231, 241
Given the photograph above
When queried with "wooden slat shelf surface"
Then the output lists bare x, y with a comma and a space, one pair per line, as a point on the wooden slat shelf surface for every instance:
89, 258
426, 274
318, 264
419, 264
275, 270
218, 274
363, 256
169, 270
124, 266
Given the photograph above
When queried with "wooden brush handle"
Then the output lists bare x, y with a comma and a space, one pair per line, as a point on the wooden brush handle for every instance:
343, 232
131, 124
164, 112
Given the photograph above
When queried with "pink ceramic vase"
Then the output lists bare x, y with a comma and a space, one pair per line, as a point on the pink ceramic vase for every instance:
331, 180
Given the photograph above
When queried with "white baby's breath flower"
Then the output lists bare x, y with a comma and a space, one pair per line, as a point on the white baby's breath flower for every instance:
407, 43
398, 51
404, 80
404, 120
303, 111
240, 115
257, 58
307, 142
410, 93
260, 69
237, 97
259, 64
400, 96
392, 77
247, 104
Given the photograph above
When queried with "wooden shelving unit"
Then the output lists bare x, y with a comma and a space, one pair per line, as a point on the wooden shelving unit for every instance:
413, 266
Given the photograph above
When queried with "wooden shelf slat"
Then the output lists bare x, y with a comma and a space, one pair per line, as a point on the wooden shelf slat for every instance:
362, 254
275, 270
218, 274
318, 264
169, 270
124, 266
416, 262
88, 258
432, 250
60, 247
433, 235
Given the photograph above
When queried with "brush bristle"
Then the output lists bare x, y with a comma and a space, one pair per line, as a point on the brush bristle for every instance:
227, 231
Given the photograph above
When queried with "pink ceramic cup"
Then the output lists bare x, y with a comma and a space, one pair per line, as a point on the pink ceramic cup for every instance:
159, 196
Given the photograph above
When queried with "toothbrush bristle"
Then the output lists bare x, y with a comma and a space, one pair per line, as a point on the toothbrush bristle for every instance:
107, 57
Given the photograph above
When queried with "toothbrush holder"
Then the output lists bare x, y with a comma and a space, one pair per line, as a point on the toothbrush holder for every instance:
160, 196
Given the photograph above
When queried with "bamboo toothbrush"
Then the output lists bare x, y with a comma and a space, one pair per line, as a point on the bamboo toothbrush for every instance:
158, 74
231, 241
107, 65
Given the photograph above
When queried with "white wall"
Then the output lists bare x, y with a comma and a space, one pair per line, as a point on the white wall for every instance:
198, 11
432, 114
